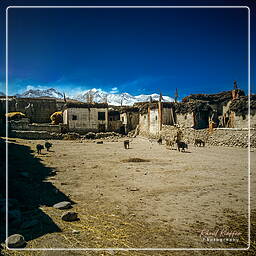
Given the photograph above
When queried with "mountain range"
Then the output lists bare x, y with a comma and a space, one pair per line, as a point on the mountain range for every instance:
96, 95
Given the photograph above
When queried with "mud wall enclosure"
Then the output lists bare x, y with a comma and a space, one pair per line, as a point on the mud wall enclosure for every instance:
218, 137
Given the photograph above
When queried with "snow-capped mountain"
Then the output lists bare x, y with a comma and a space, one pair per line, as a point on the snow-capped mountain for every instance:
35, 93
117, 98
96, 95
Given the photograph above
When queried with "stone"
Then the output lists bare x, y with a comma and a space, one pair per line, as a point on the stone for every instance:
63, 205
134, 189
75, 231
69, 216
29, 224
15, 241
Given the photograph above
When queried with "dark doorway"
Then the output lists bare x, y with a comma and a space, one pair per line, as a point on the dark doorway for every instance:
102, 128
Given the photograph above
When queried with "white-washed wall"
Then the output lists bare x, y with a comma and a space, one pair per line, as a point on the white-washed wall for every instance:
87, 119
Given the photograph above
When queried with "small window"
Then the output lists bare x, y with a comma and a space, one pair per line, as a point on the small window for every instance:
74, 117
156, 117
101, 116
122, 119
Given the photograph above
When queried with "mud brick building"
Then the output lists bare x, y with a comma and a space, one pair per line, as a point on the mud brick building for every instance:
38, 110
85, 117
129, 118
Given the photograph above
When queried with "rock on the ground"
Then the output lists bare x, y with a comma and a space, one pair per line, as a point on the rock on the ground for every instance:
69, 216
63, 205
15, 241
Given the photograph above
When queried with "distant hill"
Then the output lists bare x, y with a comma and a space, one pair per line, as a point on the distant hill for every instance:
53, 93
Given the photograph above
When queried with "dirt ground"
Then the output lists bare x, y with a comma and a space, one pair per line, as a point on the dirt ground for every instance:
171, 200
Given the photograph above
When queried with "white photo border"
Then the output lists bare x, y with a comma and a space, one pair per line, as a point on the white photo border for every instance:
134, 249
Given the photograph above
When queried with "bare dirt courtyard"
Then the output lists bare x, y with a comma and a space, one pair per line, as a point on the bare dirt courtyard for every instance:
170, 200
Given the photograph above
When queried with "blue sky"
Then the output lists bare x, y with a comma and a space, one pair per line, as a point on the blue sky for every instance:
128, 50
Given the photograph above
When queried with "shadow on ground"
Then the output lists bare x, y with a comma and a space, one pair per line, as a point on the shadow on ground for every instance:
28, 189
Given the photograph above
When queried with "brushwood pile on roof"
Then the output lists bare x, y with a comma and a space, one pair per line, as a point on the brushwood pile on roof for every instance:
143, 106
221, 97
85, 105
189, 107
240, 106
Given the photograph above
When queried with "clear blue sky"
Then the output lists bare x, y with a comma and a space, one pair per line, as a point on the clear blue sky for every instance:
132, 50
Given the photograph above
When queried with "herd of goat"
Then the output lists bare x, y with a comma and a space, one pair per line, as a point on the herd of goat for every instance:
170, 143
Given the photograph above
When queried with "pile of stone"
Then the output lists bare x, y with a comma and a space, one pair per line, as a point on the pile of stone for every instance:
102, 135
71, 136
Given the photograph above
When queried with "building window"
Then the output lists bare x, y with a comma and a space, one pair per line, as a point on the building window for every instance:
101, 116
156, 117
122, 119
74, 117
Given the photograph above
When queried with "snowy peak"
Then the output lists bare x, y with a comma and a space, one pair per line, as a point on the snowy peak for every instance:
95, 95
35, 93
116, 99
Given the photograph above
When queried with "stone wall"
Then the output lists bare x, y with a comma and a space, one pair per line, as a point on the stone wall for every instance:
24, 125
185, 120
35, 135
231, 137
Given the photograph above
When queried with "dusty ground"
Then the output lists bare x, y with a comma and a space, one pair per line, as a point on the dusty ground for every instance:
165, 202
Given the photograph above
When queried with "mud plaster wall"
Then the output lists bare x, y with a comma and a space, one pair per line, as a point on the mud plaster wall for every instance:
41, 112
114, 126
87, 119
242, 121
219, 137
144, 124
154, 121
167, 116
132, 120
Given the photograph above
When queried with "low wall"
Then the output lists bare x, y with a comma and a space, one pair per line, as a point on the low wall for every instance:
230, 137
44, 127
35, 135
24, 125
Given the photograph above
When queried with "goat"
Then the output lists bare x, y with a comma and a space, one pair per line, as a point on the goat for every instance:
39, 147
182, 145
48, 145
